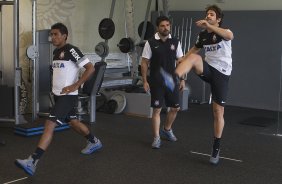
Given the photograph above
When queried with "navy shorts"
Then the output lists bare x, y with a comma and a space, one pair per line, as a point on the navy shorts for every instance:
64, 109
218, 82
161, 95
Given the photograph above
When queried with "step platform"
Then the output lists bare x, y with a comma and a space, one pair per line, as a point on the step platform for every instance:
36, 128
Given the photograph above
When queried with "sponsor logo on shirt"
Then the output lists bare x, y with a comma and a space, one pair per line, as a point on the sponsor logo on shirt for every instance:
58, 65
212, 48
75, 54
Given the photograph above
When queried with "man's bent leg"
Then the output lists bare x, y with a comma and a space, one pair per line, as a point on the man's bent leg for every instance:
29, 164
47, 135
79, 127
190, 61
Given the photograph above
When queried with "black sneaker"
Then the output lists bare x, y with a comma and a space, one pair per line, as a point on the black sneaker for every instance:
214, 159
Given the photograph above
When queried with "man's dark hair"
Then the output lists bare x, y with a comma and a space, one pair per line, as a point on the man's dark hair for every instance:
61, 27
217, 11
160, 19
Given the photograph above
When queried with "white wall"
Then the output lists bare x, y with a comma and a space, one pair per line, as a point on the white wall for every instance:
83, 16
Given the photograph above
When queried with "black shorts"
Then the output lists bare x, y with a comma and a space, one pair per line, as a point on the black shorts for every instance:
218, 83
64, 109
160, 94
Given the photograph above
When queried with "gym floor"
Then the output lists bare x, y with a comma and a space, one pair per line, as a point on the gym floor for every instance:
251, 154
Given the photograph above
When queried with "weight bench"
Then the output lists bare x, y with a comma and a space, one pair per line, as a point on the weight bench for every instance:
91, 88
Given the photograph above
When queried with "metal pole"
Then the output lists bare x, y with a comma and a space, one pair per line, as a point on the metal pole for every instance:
112, 9
35, 68
182, 31
1, 55
129, 28
135, 66
16, 61
185, 37
92, 113
145, 21
7, 120
279, 99
165, 8
190, 32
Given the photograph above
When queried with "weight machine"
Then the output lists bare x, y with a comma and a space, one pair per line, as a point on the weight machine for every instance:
17, 70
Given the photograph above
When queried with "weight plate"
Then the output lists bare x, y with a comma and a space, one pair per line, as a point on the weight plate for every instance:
126, 45
32, 52
121, 102
150, 30
106, 28
102, 49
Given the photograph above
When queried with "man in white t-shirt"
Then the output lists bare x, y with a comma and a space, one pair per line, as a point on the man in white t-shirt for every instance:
67, 60
215, 69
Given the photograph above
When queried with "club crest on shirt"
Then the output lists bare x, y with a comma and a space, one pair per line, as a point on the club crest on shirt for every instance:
172, 47
157, 103
214, 38
62, 55
198, 39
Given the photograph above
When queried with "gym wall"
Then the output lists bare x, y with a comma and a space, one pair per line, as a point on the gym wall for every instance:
256, 47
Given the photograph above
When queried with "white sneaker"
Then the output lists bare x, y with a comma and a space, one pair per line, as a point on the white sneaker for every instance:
92, 147
168, 134
156, 143
28, 165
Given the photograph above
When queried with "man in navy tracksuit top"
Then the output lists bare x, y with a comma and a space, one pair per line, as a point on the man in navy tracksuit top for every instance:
161, 54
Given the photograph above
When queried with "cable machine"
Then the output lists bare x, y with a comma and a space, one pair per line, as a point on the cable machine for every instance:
17, 70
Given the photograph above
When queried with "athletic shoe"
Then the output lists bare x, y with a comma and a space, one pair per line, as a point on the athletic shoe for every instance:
214, 159
169, 82
168, 134
156, 143
92, 147
28, 165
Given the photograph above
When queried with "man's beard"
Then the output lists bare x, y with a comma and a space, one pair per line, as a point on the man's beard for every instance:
165, 33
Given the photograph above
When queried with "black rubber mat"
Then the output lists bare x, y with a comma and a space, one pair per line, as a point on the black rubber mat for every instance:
258, 121
127, 156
